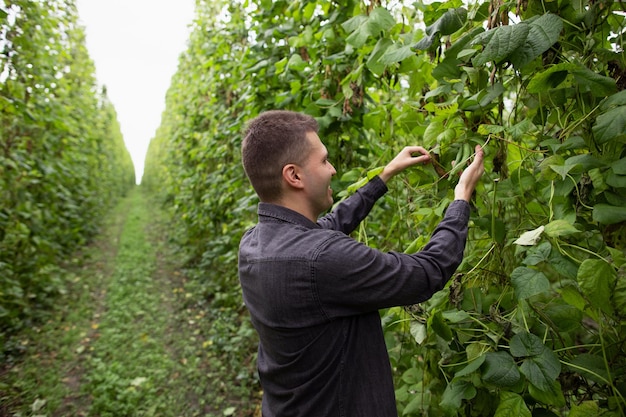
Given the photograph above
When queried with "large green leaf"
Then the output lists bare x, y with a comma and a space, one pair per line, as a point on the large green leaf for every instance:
528, 282
585, 409
500, 43
590, 366
540, 366
512, 405
472, 366
544, 32
550, 78
551, 394
373, 62
542, 370
500, 369
450, 22
456, 392
558, 228
362, 27
439, 326
538, 254
619, 166
564, 317
615, 100
483, 98
608, 214
396, 54
526, 344
610, 125
598, 85
596, 278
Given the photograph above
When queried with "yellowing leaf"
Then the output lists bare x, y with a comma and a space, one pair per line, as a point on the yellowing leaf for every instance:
530, 238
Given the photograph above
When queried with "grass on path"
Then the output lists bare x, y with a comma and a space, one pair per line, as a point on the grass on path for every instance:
132, 336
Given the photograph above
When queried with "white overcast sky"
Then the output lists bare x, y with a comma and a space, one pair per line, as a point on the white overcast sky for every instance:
135, 46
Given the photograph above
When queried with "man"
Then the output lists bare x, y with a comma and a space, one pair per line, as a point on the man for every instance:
313, 292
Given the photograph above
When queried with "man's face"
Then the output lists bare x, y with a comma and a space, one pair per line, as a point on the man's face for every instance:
317, 174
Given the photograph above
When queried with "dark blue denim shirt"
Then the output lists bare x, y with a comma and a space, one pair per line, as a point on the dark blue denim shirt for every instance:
314, 292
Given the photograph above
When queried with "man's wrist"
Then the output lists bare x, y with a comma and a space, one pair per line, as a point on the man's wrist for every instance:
461, 193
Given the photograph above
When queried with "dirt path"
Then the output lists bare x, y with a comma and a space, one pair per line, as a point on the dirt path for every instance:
132, 335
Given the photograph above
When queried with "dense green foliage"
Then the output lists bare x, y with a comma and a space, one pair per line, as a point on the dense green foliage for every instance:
534, 322
63, 161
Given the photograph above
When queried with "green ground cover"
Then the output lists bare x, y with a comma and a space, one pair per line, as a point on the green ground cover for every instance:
130, 336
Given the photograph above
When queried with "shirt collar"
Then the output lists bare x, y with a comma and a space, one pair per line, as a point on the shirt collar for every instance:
269, 212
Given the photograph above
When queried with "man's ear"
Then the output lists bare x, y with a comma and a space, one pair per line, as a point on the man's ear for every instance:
291, 175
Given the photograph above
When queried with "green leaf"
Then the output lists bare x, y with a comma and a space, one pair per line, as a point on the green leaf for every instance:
607, 214
590, 366
559, 228
544, 32
572, 296
596, 278
526, 344
550, 78
512, 405
354, 23
564, 317
380, 20
396, 54
440, 327
373, 62
450, 22
615, 100
362, 27
296, 63
614, 180
420, 398
358, 29
433, 130
500, 43
473, 366
610, 125
412, 376
618, 256
619, 166
585, 409
500, 369
538, 254
455, 393
542, 370
551, 394
598, 85
528, 282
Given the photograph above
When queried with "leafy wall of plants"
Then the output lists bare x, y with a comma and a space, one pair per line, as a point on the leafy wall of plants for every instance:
533, 323
62, 156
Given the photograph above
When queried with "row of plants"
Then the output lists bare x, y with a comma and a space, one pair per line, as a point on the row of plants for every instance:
63, 161
534, 321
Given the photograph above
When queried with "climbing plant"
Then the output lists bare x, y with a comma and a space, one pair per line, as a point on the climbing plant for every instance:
533, 322
62, 157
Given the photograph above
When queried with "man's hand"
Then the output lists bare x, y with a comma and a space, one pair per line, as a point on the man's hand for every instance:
470, 176
409, 156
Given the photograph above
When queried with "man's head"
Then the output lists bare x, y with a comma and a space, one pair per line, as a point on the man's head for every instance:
272, 140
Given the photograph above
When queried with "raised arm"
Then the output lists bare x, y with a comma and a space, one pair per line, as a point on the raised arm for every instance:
350, 212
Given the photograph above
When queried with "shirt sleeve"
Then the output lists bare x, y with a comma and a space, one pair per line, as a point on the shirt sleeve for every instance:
350, 212
352, 278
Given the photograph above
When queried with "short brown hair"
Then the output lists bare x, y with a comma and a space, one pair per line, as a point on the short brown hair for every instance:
272, 140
